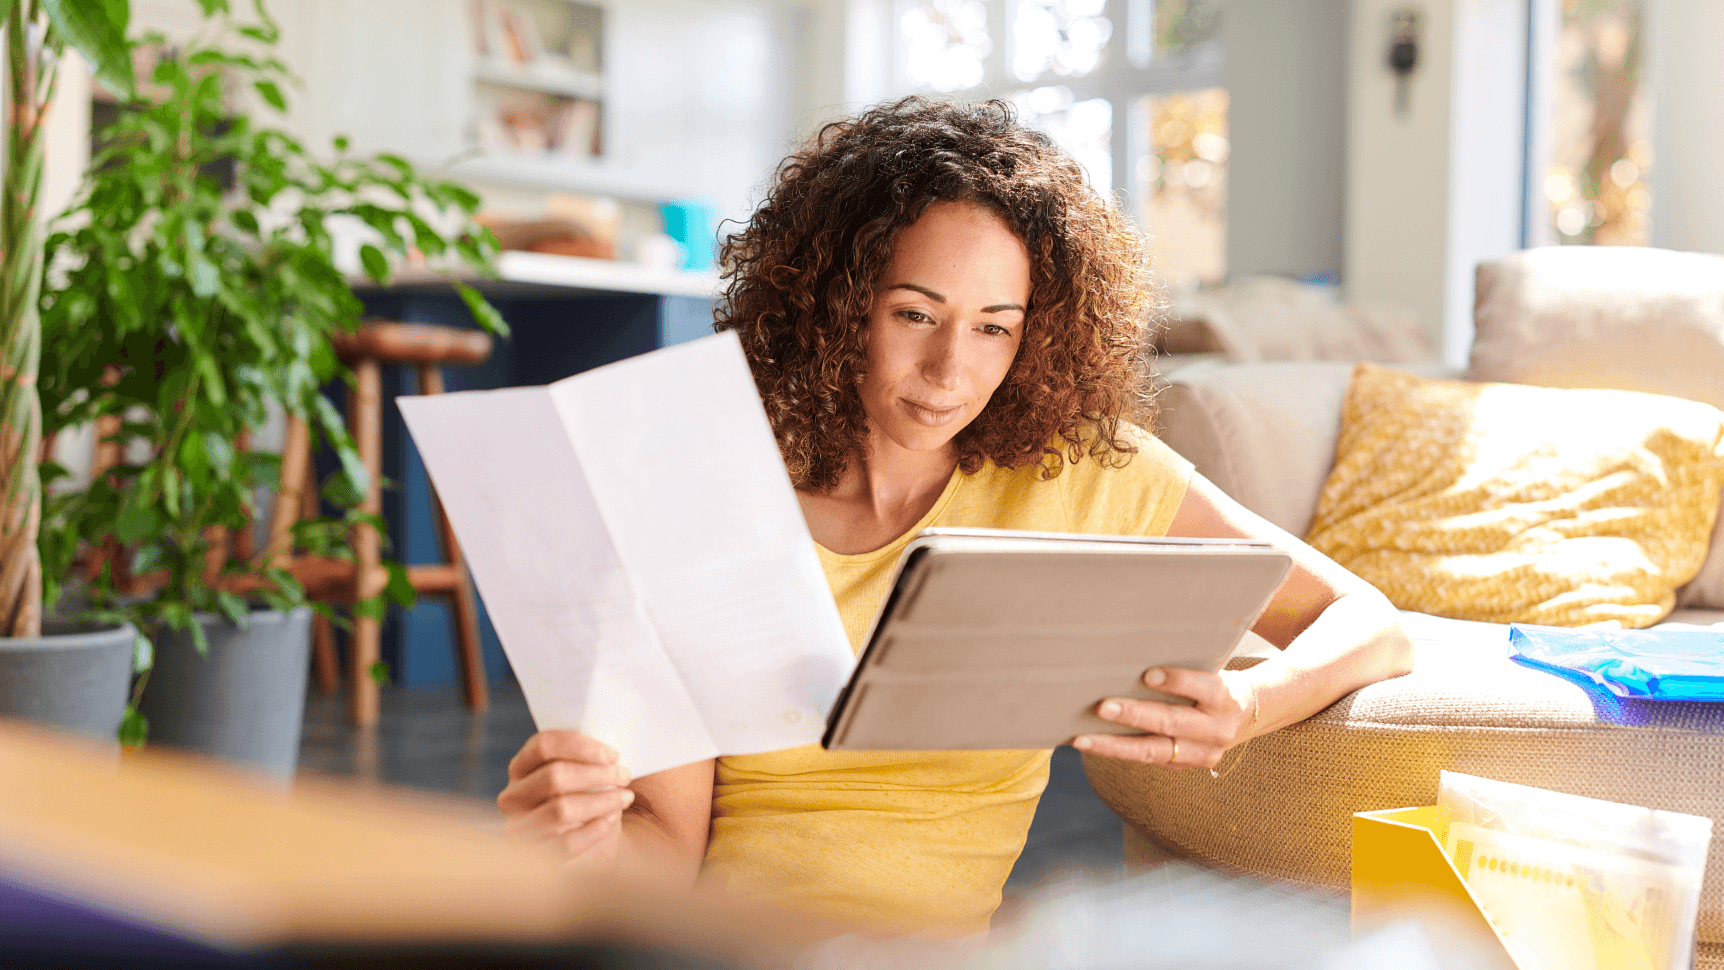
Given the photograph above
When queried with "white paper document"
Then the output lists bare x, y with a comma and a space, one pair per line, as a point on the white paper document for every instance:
642, 555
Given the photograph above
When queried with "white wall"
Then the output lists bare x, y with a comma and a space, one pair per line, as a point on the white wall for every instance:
67, 140
703, 93
1687, 85
1287, 81
1487, 150
703, 97
1433, 191
1398, 166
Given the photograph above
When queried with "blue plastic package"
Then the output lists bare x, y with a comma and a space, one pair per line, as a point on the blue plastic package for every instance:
1665, 665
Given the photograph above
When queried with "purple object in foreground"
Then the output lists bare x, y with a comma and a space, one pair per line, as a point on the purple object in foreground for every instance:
1665, 665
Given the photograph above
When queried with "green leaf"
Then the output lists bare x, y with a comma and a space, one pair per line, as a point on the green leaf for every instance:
272, 93
6, 9
400, 589
192, 462
233, 608
399, 164
370, 608
199, 638
380, 672
171, 490
143, 654
344, 490
350, 486
482, 310
51, 471
134, 728
425, 237
220, 452
97, 28
463, 197
206, 278
147, 559
213, 388
376, 264
136, 522
213, 7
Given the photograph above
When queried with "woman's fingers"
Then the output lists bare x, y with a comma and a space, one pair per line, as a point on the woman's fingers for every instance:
556, 778
595, 837
567, 787
1152, 749
565, 813
1205, 688
547, 746
1176, 735
1154, 717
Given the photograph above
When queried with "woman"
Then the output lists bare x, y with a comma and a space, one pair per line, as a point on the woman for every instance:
944, 323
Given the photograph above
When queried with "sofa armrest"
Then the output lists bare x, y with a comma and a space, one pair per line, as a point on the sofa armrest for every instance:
1264, 433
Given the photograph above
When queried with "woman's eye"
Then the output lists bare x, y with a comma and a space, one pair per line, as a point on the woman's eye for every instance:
914, 316
995, 330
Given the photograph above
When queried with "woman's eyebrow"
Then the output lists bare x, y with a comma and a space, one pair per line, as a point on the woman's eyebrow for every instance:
940, 298
930, 294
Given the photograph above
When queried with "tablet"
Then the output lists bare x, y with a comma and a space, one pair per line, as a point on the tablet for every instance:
995, 639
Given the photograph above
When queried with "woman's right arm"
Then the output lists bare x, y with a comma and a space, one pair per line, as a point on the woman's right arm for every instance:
567, 787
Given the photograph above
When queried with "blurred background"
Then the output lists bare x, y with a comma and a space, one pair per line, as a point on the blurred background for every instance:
1353, 153
1319, 178
1247, 136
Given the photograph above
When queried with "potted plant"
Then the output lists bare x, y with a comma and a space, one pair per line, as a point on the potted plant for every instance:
70, 675
175, 308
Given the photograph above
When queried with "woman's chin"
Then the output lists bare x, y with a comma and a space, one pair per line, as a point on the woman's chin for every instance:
918, 439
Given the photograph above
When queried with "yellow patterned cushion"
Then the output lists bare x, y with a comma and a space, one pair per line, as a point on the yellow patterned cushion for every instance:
1510, 503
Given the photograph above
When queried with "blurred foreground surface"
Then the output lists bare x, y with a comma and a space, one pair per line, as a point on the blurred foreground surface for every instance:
158, 860
426, 739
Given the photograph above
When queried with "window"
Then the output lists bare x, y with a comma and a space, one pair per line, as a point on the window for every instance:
1181, 183
944, 43
1594, 189
1112, 82
1082, 128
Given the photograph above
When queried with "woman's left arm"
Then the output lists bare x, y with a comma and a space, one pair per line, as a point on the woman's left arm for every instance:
1336, 633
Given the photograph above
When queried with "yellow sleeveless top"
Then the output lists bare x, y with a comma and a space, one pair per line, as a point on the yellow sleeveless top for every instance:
915, 841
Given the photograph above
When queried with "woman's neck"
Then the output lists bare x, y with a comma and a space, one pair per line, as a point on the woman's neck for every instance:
880, 496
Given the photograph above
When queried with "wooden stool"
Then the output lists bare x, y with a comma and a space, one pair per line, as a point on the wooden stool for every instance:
367, 350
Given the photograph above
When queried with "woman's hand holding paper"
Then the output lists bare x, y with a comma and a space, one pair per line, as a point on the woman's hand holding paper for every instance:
1178, 736
568, 788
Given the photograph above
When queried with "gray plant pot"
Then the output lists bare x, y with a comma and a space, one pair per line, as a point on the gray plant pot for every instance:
75, 676
245, 701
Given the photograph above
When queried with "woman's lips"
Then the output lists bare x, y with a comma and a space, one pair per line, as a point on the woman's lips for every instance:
931, 415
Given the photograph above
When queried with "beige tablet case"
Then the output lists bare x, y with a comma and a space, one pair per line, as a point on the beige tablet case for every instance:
1009, 640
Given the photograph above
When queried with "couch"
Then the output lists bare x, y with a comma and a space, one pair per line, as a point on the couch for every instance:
1265, 433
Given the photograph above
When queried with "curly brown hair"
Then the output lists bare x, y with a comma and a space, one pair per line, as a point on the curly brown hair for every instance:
802, 276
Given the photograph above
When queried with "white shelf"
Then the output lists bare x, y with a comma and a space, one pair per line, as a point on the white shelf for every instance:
573, 273
604, 274
566, 174
564, 82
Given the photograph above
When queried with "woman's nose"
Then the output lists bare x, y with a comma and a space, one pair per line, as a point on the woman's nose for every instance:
943, 365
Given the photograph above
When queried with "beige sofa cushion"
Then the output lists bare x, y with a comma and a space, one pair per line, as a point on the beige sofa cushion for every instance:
1609, 317
1599, 316
1263, 433
1285, 809
1257, 318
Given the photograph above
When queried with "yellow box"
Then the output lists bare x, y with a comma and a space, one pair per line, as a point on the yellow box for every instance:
1400, 871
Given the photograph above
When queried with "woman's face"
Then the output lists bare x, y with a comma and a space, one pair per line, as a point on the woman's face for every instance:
945, 325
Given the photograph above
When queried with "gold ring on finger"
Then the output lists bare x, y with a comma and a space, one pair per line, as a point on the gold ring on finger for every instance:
1175, 755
